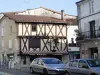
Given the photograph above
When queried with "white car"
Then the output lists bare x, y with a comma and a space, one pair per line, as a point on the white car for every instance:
48, 66
83, 67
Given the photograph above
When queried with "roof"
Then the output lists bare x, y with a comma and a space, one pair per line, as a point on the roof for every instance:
80, 1
42, 8
71, 21
33, 18
55, 11
52, 10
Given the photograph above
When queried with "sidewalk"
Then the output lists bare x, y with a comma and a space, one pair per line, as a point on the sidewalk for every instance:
25, 69
3, 73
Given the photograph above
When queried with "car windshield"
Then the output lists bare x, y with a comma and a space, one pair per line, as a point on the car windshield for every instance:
52, 61
94, 63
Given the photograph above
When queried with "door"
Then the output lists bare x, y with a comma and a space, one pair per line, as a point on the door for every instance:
73, 67
40, 66
83, 68
94, 53
92, 29
35, 65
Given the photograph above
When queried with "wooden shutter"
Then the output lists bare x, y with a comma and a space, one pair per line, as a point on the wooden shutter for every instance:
34, 43
97, 27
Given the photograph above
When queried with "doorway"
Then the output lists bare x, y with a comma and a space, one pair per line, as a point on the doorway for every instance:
94, 53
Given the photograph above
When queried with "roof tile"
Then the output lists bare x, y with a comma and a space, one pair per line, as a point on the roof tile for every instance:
33, 18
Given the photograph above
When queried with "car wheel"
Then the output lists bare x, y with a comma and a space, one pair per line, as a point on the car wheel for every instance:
93, 74
45, 72
67, 73
31, 70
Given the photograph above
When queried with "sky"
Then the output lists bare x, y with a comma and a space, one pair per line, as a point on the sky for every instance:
69, 6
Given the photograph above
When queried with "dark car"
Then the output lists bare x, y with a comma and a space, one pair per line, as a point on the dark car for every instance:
83, 67
48, 66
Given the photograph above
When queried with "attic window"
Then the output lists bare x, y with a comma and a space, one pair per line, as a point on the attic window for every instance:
34, 28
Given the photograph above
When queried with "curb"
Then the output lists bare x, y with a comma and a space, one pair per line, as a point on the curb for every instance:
4, 73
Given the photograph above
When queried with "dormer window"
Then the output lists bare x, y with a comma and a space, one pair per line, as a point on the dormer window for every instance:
34, 28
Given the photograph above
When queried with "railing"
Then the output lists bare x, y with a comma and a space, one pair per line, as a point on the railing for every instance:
88, 35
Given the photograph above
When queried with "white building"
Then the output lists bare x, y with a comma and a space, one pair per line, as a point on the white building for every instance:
89, 28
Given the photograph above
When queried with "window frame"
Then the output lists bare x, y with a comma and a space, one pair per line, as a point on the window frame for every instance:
36, 61
34, 28
81, 62
10, 29
76, 61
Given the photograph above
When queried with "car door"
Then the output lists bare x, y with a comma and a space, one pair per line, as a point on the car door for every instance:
40, 66
73, 67
35, 65
83, 68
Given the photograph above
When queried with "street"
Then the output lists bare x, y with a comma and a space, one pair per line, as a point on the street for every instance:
15, 72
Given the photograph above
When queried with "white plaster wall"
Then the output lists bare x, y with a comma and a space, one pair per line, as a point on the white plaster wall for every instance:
44, 12
42, 45
84, 23
48, 45
86, 45
22, 28
96, 6
65, 58
2, 34
71, 33
85, 9
6, 35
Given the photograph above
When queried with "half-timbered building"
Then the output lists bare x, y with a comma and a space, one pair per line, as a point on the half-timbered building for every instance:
33, 33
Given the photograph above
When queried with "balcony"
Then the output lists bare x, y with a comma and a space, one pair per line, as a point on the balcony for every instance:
88, 35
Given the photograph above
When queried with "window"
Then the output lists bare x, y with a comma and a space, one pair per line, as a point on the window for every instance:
32, 43
52, 61
10, 44
40, 62
34, 28
2, 31
92, 29
94, 63
16, 44
2, 43
82, 63
91, 6
79, 11
36, 61
10, 29
74, 63
70, 63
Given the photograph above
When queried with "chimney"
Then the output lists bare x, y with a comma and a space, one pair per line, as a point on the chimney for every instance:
62, 14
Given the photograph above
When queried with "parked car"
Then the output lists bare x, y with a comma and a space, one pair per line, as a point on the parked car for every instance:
48, 66
83, 67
